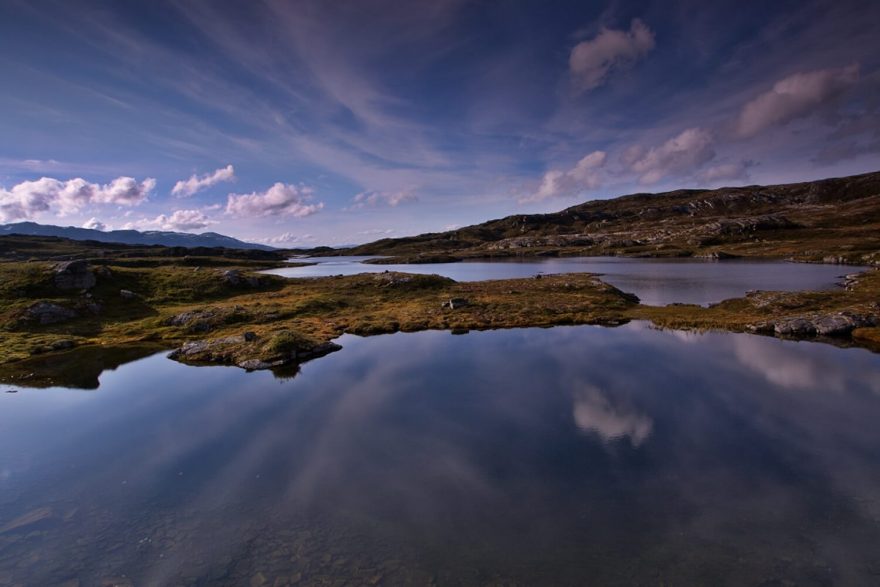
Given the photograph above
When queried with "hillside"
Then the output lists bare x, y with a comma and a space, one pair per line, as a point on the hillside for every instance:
831, 220
130, 237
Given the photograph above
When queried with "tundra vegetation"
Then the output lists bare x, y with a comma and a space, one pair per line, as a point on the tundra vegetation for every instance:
68, 309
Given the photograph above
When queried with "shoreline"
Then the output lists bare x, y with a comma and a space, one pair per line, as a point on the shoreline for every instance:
254, 321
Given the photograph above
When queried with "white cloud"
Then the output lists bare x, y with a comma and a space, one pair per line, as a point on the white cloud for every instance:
181, 220
682, 153
94, 224
287, 238
793, 97
29, 198
727, 171
279, 200
391, 199
585, 175
185, 188
592, 61
377, 232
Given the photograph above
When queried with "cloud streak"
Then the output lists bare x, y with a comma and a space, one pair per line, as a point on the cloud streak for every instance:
373, 199
681, 154
592, 62
794, 97
196, 183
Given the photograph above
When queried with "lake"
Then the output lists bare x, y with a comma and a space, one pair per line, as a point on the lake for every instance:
655, 281
564, 456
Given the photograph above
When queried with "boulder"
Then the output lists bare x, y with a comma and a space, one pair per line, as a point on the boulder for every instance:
74, 275
454, 303
835, 325
233, 277
128, 295
795, 327
48, 313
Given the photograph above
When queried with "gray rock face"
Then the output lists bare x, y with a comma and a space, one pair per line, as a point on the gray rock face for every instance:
795, 327
455, 303
195, 321
74, 275
234, 278
836, 325
48, 313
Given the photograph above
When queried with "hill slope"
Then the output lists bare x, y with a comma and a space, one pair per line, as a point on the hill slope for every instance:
130, 237
831, 219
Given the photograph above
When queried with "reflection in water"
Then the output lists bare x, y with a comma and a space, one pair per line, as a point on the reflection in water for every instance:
593, 412
561, 456
654, 281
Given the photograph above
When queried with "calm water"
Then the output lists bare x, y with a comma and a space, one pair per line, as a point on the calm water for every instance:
655, 281
566, 456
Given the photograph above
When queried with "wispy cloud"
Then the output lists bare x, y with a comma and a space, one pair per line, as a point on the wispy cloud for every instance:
197, 183
592, 62
585, 175
683, 154
391, 199
793, 97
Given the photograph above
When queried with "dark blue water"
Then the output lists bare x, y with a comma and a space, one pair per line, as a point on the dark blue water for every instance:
655, 281
565, 456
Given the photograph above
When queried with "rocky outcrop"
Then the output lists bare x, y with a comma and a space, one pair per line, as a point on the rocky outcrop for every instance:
455, 303
47, 313
74, 275
834, 325
250, 352
236, 278
208, 319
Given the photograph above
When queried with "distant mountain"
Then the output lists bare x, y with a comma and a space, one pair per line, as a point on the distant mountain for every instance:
131, 237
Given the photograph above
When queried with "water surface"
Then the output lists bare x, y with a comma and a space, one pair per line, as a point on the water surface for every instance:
655, 281
565, 456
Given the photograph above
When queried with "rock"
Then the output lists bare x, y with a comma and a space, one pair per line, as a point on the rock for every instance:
116, 582
718, 256
48, 313
232, 277
795, 327
455, 303
61, 345
325, 348
128, 295
195, 320
258, 365
74, 275
201, 347
250, 336
11, 391
258, 580
103, 271
835, 325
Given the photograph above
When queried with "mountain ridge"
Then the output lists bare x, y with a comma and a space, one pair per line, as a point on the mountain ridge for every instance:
131, 237
811, 221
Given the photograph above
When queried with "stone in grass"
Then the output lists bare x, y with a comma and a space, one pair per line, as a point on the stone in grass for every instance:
74, 275
455, 303
48, 313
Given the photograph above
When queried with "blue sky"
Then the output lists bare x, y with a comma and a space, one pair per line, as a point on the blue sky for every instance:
314, 122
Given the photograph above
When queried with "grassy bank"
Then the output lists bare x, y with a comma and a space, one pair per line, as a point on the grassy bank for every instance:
226, 313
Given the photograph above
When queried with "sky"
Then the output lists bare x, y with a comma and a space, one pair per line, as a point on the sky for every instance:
314, 122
